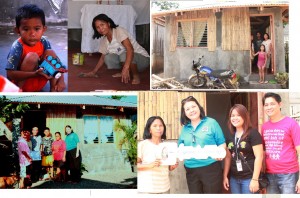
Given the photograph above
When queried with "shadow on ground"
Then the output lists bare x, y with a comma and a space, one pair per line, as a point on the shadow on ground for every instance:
130, 183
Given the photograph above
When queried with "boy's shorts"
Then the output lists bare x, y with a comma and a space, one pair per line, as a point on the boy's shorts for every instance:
22, 171
34, 84
47, 160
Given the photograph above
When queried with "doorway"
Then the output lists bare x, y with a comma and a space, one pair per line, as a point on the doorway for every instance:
35, 118
261, 24
219, 104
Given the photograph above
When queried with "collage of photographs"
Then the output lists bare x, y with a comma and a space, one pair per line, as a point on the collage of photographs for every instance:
145, 97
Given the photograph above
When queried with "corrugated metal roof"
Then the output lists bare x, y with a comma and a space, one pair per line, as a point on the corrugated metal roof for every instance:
223, 4
74, 100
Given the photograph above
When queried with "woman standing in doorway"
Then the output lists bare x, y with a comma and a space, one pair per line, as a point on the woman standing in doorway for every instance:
268, 45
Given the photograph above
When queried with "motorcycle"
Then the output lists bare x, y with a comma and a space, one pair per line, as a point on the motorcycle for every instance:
213, 79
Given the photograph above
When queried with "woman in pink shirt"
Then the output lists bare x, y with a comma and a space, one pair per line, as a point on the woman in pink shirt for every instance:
59, 154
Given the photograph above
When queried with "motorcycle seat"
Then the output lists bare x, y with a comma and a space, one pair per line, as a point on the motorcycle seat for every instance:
222, 73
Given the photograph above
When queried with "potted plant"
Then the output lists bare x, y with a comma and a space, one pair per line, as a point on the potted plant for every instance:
282, 78
128, 142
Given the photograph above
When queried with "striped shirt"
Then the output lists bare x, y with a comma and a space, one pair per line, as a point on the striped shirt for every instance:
155, 180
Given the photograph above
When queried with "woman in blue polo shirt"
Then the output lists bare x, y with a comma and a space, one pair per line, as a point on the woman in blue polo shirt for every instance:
73, 155
203, 175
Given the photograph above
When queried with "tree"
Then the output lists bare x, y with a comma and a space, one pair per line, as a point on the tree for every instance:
166, 5
9, 111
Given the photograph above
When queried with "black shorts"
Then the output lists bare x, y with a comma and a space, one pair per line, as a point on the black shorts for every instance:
58, 164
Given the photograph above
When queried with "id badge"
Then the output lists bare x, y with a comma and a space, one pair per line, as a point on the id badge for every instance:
239, 165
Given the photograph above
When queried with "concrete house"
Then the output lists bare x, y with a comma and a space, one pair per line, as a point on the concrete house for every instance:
93, 118
221, 33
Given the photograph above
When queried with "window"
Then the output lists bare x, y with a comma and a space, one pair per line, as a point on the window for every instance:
95, 125
192, 34
90, 129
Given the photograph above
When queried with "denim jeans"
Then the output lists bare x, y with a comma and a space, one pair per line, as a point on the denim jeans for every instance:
282, 183
240, 186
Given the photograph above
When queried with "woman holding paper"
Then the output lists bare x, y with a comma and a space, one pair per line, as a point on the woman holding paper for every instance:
203, 175
244, 147
152, 176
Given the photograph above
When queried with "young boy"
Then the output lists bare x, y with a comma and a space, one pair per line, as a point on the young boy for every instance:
28, 51
24, 157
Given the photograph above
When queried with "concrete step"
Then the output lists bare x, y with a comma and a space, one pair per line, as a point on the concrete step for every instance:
255, 77
257, 85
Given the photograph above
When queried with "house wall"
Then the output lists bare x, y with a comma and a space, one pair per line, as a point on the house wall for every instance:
98, 157
239, 60
157, 53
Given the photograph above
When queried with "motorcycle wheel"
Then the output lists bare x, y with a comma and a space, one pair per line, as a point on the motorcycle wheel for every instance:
197, 83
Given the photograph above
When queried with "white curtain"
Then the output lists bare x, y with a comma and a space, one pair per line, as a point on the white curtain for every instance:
106, 128
90, 129
199, 28
186, 31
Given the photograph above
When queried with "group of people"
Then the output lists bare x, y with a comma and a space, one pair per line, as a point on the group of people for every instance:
118, 48
275, 151
261, 51
39, 156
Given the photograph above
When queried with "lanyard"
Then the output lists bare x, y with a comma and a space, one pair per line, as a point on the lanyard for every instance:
236, 143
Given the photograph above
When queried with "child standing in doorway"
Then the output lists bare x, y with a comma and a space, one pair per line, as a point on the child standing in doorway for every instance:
261, 63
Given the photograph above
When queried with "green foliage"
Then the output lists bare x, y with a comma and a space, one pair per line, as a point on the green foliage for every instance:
117, 97
281, 77
9, 111
129, 141
83, 168
166, 5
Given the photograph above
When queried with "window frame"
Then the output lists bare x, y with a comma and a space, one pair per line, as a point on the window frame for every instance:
192, 24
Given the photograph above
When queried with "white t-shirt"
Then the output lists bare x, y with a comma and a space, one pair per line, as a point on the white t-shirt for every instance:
155, 180
115, 46
267, 44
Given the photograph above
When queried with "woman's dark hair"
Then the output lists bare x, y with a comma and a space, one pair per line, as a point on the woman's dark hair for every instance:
243, 112
271, 95
29, 11
183, 118
58, 133
105, 18
264, 47
68, 126
147, 134
267, 35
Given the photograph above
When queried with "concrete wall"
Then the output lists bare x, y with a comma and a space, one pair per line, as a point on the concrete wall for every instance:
101, 158
182, 58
